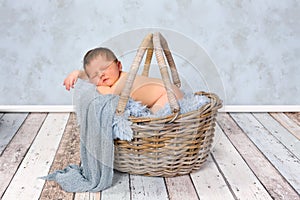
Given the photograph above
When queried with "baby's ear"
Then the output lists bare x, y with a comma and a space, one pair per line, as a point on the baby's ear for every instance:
119, 65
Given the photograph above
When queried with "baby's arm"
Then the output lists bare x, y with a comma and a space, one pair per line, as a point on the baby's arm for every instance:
71, 79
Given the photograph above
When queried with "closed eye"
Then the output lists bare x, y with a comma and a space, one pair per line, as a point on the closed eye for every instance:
94, 76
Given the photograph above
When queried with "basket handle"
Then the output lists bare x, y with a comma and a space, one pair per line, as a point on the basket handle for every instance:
146, 43
168, 54
150, 41
148, 60
157, 42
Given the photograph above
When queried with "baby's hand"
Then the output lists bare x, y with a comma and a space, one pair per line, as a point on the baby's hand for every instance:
71, 79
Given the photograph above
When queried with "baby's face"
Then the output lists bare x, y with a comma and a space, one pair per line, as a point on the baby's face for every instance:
102, 72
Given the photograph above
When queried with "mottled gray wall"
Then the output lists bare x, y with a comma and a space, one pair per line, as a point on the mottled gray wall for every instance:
254, 45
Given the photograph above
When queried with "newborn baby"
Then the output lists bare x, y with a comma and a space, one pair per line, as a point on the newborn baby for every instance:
102, 68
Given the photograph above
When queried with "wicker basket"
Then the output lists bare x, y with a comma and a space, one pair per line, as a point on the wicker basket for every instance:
174, 145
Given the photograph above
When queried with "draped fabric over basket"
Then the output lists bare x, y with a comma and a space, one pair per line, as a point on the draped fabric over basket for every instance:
172, 145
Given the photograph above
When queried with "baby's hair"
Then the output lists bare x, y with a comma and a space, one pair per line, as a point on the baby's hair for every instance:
93, 53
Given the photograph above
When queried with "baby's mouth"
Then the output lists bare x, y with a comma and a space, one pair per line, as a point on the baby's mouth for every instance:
105, 80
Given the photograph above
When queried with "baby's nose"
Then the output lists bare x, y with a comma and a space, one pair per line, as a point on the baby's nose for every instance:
101, 75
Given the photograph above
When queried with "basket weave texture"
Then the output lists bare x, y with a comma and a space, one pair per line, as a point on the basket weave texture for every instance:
169, 146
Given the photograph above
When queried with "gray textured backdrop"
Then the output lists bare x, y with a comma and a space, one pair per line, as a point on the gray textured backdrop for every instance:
246, 51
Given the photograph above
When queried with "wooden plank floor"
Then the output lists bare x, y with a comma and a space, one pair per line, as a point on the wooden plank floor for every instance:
254, 156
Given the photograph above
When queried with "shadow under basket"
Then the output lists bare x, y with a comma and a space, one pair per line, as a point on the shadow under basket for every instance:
160, 148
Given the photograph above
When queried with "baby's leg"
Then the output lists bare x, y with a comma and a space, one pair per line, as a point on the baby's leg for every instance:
160, 103
163, 99
153, 95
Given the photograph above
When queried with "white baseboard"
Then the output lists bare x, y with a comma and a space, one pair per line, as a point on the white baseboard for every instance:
37, 108
260, 108
226, 108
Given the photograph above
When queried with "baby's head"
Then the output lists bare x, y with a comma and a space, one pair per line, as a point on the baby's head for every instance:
102, 66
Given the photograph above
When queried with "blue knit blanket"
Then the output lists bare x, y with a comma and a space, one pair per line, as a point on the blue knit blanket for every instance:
95, 115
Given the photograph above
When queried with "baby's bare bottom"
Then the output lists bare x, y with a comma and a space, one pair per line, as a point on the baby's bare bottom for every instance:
154, 95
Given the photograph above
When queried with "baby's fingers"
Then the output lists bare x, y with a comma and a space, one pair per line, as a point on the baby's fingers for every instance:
67, 85
73, 82
70, 84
